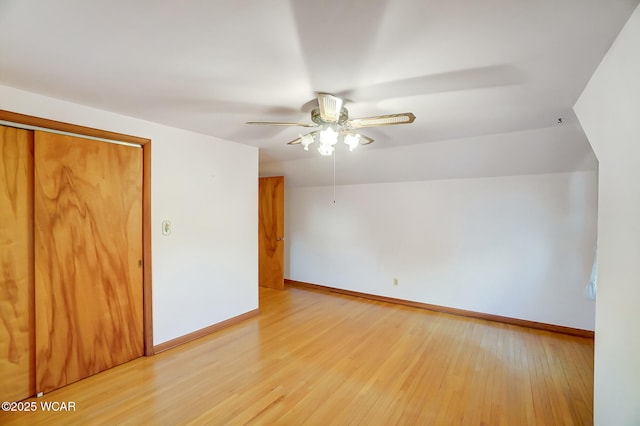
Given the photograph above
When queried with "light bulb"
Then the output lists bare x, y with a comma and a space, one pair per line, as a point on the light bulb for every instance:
326, 149
328, 136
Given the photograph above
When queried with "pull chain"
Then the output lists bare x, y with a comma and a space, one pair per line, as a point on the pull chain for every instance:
334, 177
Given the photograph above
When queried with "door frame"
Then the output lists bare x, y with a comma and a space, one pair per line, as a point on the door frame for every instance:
28, 120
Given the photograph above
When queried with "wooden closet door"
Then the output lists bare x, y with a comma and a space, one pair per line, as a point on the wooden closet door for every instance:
17, 368
88, 251
271, 232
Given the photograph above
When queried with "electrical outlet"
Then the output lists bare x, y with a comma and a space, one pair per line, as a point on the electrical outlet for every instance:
395, 281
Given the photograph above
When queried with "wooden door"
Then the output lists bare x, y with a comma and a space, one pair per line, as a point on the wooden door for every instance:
271, 232
88, 251
17, 367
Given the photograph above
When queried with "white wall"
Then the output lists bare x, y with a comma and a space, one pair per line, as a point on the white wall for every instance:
520, 247
206, 271
609, 110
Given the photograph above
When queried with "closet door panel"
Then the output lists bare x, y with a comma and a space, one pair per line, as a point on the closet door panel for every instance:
88, 251
17, 371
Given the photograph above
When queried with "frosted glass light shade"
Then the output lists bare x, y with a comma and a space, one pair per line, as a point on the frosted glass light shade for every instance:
326, 149
328, 136
352, 141
307, 140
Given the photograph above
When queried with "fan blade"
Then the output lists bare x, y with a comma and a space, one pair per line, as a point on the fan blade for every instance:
330, 107
278, 123
382, 120
298, 140
365, 140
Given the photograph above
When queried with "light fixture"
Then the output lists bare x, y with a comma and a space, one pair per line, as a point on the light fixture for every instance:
331, 121
328, 138
307, 140
326, 149
352, 141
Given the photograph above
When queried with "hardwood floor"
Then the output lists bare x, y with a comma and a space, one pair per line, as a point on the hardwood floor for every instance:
318, 358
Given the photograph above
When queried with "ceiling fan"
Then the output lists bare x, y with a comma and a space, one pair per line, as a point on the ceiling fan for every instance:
331, 119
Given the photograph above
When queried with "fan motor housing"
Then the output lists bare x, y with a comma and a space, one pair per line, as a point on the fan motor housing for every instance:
315, 116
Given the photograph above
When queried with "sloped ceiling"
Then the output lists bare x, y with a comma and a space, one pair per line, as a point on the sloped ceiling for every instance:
487, 80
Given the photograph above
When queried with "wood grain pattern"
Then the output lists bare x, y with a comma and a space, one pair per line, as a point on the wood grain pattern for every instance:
146, 194
454, 311
17, 365
321, 358
88, 242
271, 232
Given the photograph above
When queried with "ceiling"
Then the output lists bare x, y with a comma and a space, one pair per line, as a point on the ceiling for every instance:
467, 69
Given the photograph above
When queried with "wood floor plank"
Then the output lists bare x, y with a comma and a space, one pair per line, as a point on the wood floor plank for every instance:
313, 357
